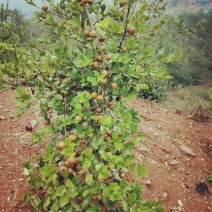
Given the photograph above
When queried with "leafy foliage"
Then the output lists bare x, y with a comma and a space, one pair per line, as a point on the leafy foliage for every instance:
190, 40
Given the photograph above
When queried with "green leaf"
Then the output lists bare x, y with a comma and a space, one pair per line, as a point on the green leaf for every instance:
48, 170
118, 145
26, 199
86, 193
64, 173
116, 195
89, 153
115, 135
97, 141
134, 127
76, 180
142, 25
83, 61
122, 58
61, 190
64, 199
209, 177
142, 170
75, 21
117, 107
69, 183
86, 163
132, 198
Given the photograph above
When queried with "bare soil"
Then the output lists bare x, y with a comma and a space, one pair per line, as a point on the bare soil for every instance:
175, 177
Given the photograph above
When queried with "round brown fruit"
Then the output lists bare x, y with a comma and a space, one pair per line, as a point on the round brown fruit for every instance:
78, 118
60, 145
131, 30
66, 164
86, 33
103, 81
103, 48
108, 56
72, 161
124, 49
99, 98
78, 168
94, 197
95, 177
92, 34
105, 72
122, 3
114, 85
108, 138
95, 65
65, 25
99, 197
73, 137
98, 110
46, 122
44, 7
70, 171
90, 1
109, 133
93, 95
122, 175
84, 1
98, 58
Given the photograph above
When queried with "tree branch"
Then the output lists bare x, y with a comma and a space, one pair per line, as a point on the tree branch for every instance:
126, 24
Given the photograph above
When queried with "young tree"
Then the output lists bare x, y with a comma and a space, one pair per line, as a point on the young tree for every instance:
82, 74
12, 26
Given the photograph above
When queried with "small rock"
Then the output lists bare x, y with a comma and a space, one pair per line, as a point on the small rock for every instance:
180, 203
20, 179
173, 209
187, 150
159, 127
144, 149
165, 195
173, 162
148, 183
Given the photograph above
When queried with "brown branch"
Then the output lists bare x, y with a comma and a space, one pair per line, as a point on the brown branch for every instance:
126, 24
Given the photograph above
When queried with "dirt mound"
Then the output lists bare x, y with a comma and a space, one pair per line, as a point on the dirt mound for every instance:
177, 151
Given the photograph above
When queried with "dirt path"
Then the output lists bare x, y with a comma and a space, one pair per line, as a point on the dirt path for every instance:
177, 151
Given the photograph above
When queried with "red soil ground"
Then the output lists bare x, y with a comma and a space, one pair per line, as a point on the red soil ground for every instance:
173, 173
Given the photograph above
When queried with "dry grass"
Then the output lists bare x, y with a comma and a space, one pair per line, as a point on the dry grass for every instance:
194, 102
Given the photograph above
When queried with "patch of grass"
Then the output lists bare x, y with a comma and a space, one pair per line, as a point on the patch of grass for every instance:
194, 101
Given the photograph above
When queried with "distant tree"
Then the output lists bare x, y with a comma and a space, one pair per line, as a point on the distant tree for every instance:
12, 25
9, 17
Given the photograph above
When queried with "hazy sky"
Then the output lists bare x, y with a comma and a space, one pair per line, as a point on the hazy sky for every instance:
25, 8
